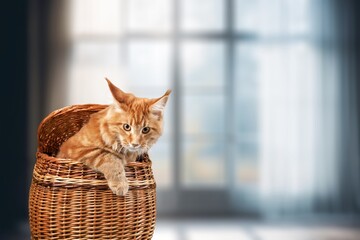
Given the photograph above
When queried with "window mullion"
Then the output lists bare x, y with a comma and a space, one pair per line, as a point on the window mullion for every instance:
176, 95
229, 93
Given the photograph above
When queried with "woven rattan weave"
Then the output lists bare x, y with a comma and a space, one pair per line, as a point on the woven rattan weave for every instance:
70, 201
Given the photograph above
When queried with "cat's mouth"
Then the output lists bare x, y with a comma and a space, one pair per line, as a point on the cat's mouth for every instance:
135, 149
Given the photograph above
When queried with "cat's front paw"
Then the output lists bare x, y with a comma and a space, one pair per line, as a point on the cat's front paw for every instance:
119, 188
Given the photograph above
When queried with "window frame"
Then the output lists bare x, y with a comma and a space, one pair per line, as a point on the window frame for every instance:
177, 198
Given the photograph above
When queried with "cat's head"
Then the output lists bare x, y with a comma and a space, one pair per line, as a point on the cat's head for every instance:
136, 122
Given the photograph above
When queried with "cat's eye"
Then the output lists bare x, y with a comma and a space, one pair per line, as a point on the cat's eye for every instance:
145, 130
126, 127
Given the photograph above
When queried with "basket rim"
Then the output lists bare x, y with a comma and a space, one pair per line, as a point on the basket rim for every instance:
74, 108
69, 108
66, 173
70, 161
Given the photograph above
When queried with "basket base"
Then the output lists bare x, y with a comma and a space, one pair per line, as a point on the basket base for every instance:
77, 213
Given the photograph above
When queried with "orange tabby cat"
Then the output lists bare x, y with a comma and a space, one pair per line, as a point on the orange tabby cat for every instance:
117, 135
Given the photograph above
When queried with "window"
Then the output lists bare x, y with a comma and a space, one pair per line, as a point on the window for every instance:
214, 54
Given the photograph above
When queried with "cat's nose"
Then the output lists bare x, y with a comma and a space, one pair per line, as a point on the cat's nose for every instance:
135, 145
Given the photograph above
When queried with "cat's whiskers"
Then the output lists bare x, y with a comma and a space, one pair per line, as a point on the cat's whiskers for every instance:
121, 148
144, 149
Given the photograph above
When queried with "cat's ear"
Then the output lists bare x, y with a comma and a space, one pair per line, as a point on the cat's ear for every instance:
117, 93
158, 104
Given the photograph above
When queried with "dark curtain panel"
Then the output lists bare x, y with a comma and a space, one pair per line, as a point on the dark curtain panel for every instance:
347, 30
338, 40
13, 51
31, 31
48, 51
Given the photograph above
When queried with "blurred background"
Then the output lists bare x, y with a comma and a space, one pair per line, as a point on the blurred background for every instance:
262, 132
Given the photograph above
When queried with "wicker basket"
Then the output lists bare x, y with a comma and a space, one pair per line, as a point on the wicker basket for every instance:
70, 201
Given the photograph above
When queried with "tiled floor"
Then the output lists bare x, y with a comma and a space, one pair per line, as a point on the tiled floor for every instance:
244, 230
241, 230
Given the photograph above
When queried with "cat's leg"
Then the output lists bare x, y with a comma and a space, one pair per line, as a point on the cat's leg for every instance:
116, 179
113, 169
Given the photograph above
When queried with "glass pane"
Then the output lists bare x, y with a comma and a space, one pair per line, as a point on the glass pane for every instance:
202, 15
149, 16
246, 164
246, 19
299, 16
203, 115
203, 162
259, 16
203, 64
272, 17
277, 66
96, 17
246, 70
247, 90
162, 159
150, 64
90, 63
246, 116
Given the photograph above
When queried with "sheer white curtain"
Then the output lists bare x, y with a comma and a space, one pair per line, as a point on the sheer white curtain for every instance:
299, 131
287, 126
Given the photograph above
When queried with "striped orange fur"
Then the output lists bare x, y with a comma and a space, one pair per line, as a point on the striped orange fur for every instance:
117, 135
